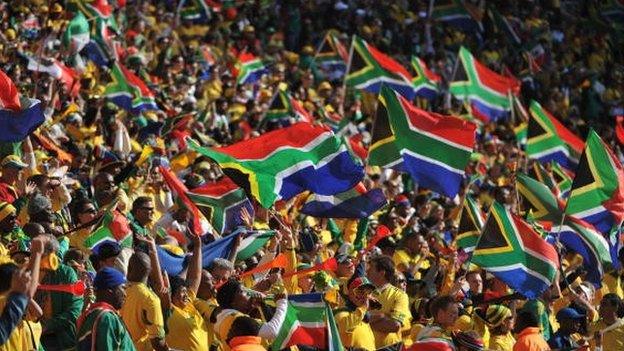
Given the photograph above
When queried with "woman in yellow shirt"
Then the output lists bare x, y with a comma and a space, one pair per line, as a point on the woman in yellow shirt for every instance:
185, 325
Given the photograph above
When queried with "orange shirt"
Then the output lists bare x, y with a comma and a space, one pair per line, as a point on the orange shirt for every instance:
246, 343
531, 339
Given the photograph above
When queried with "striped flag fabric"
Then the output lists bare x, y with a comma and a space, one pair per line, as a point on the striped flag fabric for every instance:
574, 234
198, 11
284, 106
100, 48
283, 163
383, 151
549, 140
128, 91
435, 149
222, 203
486, 91
457, 14
76, 36
200, 224
18, 116
354, 203
597, 194
113, 227
562, 179
537, 198
470, 225
582, 238
369, 68
308, 321
250, 68
512, 251
174, 264
425, 82
58, 70
332, 57
251, 242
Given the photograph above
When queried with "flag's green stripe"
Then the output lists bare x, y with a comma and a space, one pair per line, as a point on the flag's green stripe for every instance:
252, 246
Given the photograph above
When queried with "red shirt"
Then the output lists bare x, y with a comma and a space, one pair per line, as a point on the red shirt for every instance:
7, 193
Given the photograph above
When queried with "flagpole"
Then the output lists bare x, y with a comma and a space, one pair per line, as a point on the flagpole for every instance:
344, 80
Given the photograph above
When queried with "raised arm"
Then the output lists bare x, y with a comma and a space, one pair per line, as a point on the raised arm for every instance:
193, 275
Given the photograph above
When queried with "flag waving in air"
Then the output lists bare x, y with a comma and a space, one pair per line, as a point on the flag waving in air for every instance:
549, 140
486, 91
250, 68
510, 249
128, 91
286, 162
597, 194
470, 225
435, 149
425, 82
369, 68
18, 116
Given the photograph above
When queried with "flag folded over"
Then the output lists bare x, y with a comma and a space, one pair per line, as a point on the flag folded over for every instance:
574, 234
331, 57
470, 225
18, 116
549, 140
128, 91
284, 106
113, 227
251, 242
173, 264
308, 321
435, 149
456, 13
353, 203
251, 68
425, 82
286, 162
510, 249
597, 194
221, 203
486, 91
200, 224
76, 35
370, 68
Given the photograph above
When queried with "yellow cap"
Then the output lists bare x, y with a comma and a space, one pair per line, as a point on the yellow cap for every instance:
57, 8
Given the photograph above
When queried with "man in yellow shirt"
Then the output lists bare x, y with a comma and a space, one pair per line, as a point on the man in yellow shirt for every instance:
394, 313
352, 320
142, 312
608, 332
206, 304
413, 256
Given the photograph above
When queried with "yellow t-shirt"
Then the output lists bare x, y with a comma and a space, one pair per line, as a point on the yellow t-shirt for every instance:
354, 332
142, 315
23, 335
186, 328
474, 323
612, 339
206, 309
501, 342
394, 304
402, 260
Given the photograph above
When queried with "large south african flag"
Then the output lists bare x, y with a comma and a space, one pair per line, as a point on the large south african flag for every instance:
128, 91
434, 148
286, 162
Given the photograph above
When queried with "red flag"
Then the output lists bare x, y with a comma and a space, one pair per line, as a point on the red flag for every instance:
77, 288
382, 232
619, 129
280, 261
180, 191
49, 145
9, 97
328, 265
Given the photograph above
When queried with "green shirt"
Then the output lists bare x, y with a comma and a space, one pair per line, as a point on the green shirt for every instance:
60, 310
110, 333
